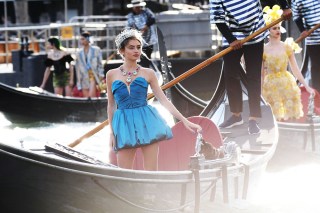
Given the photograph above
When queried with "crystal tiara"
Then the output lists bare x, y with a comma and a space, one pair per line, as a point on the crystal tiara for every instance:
127, 33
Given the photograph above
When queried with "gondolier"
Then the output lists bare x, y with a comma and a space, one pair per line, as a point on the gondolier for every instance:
237, 19
306, 15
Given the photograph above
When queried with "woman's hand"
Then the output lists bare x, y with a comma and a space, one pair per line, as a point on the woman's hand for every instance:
191, 126
310, 90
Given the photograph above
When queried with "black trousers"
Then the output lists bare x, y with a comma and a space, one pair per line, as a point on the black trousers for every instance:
253, 60
148, 51
314, 55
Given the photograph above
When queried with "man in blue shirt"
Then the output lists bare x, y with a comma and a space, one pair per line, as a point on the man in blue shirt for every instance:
236, 20
143, 19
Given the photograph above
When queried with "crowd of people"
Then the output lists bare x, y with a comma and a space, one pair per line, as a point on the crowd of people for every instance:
135, 124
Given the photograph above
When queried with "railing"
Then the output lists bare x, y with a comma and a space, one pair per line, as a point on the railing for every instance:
102, 28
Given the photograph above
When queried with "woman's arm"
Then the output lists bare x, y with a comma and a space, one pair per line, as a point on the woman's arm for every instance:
296, 72
45, 77
167, 104
71, 71
77, 67
111, 106
111, 101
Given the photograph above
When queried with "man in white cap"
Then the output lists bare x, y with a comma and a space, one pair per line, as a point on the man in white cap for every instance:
143, 19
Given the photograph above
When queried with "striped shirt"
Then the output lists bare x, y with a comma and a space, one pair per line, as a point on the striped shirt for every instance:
243, 17
309, 11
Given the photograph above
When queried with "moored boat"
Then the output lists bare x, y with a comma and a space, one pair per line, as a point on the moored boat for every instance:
33, 104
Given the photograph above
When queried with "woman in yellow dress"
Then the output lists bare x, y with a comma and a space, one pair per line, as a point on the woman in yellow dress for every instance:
279, 87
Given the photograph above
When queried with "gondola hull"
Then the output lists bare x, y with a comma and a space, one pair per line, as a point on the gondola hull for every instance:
21, 105
43, 181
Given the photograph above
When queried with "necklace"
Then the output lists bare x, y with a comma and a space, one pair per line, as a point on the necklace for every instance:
56, 54
129, 74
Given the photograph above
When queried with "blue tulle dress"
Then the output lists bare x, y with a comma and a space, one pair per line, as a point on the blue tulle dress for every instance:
135, 123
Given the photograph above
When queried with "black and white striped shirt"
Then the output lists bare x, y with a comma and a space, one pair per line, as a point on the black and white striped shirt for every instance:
309, 11
243, 17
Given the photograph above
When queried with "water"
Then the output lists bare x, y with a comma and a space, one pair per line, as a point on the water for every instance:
289, 185
37, 134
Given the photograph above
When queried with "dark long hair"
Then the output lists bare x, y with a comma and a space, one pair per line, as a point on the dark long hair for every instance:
55, 42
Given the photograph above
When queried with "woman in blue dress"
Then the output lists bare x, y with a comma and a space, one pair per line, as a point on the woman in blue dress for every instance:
134, 123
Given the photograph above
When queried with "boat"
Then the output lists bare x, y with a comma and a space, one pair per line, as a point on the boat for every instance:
61, 179
57, 178
32, 104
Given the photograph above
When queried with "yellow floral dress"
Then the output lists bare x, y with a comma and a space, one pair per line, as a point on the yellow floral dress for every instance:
279, 88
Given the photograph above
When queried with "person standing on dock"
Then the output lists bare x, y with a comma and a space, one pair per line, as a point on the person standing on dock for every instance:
143, 19
62, 76
237, 19
90, 72
306, 14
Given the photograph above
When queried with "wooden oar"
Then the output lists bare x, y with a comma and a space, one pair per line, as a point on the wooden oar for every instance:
299, 39
183, 76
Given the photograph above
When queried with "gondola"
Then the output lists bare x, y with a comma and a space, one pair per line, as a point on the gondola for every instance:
58, 178
61, 179
21, 105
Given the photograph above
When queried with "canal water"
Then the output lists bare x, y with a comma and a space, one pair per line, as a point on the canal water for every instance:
291, 183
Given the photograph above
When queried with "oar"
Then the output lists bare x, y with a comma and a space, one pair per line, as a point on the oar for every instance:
183, 76
299, 39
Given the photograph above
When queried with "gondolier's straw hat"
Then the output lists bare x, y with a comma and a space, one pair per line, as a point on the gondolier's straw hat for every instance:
136, 3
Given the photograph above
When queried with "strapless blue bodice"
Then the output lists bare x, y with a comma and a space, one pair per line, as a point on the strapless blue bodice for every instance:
132, 97
135, 123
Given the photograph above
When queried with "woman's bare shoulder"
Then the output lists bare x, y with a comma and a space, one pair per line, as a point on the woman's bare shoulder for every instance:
50, 54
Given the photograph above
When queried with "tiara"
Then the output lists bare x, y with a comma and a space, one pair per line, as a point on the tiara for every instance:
272, 14
127, 33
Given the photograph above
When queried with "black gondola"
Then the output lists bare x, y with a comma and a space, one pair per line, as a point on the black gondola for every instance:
21, 105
